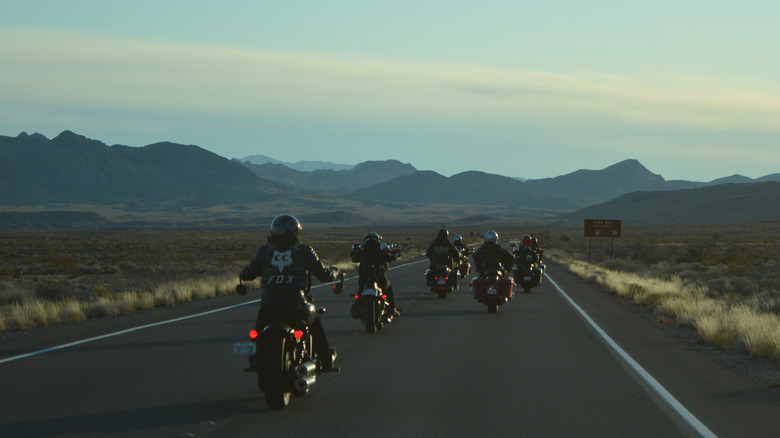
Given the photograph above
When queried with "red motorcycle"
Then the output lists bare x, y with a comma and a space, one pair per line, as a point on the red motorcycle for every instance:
493, 290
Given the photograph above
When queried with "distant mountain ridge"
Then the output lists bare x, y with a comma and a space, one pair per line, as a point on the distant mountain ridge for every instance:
362, 175
73, 169
303, 165
188, 186
723, 203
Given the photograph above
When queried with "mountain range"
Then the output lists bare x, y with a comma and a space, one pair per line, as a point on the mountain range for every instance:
173, 185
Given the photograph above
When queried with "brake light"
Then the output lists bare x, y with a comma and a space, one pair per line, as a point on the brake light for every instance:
384, 297
357, 296
252, 334
447, 278
298, 334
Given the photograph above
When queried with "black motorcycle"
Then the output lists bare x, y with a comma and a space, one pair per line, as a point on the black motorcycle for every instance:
371, 305
283, 357
528, 272
442, 280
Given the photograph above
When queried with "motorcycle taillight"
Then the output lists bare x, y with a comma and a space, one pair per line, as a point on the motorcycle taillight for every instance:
252, 334
298, 334
357, 296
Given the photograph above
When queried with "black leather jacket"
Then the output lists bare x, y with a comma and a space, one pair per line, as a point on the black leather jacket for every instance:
442, 252
284, 272
492, 257
372, 258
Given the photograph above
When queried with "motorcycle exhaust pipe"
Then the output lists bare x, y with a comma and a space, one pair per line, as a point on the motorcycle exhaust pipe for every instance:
303, 384
305, 369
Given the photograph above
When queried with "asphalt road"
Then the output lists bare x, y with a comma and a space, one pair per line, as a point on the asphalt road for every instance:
444, 368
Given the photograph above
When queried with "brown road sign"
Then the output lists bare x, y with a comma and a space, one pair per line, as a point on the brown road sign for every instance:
602, 228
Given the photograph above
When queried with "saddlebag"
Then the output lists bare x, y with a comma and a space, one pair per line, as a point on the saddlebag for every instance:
505, 289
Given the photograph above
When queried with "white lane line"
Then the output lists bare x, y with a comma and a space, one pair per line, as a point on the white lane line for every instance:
650, 380
156, 324
122, 332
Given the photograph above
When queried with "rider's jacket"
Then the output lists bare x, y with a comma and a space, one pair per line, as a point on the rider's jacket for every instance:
492, 257
526, 255
283, 272
442, 252
373, 260
463, 249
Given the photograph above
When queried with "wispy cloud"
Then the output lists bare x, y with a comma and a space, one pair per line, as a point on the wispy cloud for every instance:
106, 72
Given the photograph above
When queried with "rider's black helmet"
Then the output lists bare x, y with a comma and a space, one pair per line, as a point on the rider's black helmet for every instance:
443, 233
285, 228
371, 237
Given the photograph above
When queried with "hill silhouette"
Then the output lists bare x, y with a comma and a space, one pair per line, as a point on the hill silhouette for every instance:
172, 185
723, 203
73, 169
362, 175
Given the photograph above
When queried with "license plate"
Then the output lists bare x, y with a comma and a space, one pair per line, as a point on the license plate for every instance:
371, 292
492, 292
244, 348
527, 279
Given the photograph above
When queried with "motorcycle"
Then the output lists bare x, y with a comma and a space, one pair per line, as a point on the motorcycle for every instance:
371, 306
464, 267
282, 356
442, 280
529, 271
493, 290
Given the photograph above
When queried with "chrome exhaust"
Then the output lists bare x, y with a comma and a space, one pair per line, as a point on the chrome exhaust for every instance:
303, 384
304, 369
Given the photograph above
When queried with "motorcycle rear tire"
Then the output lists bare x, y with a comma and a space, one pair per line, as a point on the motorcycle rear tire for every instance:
277, 369
528, 289
369, 315
492, 307
442, 295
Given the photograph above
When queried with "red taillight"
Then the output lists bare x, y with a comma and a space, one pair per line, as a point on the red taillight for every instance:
298, 334
253, 334
357, 296
446, 278
384, 297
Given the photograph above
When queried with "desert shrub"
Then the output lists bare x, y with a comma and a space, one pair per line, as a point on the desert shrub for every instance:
667, 269
53, 291
624, 265
102, 292
11, 293
95, 269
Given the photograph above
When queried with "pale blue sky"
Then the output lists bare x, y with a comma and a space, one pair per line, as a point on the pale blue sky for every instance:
530, 89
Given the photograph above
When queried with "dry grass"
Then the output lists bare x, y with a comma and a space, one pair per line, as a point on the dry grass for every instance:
726, 290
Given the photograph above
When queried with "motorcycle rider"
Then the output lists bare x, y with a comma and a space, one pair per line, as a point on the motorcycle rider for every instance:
283, 265
492, 257
527, 249
441, 251
460, 246
374, 256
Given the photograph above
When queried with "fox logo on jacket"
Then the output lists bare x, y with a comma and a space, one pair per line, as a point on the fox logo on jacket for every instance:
282, 259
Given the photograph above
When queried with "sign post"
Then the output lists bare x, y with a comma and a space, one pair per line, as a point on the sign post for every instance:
602, 228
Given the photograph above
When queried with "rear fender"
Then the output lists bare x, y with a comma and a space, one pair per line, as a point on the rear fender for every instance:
276, 328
